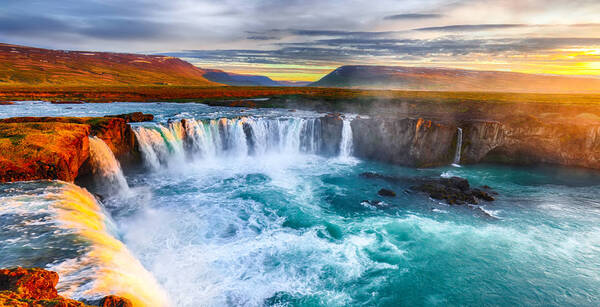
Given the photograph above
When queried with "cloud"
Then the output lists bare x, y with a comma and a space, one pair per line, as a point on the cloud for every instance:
475, 27
412, 16
348, 50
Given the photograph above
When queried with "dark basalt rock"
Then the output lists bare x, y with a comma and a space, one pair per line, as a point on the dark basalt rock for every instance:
386, 193
454, 191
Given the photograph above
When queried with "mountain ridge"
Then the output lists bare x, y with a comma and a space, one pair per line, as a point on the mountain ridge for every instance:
449, 79
22, 65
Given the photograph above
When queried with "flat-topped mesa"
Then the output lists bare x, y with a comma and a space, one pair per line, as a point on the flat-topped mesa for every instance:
37, 287
52, 148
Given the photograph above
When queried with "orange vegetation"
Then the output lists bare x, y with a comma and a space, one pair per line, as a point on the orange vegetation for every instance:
20, 65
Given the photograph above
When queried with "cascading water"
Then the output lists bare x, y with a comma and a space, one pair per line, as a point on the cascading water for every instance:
227, 137
106, 168
82, 247
459, 137
346, 145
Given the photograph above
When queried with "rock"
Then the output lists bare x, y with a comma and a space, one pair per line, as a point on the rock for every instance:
5, 103
134, 117
331, 134
404, 141
34, 283
115, 301
386, 193
32, 151
454, 191
114, 131
31, 287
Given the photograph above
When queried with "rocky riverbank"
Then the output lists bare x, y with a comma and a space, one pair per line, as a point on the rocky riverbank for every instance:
36, 148
37, 287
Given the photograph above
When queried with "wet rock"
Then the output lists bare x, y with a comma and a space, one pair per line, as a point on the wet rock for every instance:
6, 103
454, 191
115, 301
386, 193
31, 287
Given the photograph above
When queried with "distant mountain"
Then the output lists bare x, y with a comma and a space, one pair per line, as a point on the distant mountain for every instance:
21, 65
443, 79
219, 76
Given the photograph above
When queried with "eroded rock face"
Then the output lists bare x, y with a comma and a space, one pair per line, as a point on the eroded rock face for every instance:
31, 287
37, 287
57, 147
407, 141
520, 140
331, 134
115, 301
533, 142
32, 151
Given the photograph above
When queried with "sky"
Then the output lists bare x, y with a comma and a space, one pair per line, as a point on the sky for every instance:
306, 39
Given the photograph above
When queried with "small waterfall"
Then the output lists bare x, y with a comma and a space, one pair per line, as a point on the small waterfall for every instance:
227, 137
80, 244
106, 168
459, 138
346, 144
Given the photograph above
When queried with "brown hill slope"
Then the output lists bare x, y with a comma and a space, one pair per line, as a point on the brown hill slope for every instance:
445, 79
22, 66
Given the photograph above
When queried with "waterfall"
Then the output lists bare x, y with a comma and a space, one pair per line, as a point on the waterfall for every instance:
77, 240
459, 137
346, 142
106, 168
227, 137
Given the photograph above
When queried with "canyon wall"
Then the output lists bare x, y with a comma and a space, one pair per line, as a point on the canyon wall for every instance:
419, 142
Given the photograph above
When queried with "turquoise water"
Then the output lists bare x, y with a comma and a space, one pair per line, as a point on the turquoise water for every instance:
290, 228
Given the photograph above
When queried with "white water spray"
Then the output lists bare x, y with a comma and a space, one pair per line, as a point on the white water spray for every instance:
459, 138
346, 144
106, 168
227, 137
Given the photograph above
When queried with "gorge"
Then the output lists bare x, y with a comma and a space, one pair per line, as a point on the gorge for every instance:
213, 205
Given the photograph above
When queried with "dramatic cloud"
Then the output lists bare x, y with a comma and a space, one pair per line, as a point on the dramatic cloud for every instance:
258, 34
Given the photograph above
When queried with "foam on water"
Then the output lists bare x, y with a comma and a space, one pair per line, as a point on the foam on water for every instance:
106, 168
72, 226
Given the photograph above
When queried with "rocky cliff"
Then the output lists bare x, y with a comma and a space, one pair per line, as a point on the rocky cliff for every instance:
522, 140
406, 141
57, 147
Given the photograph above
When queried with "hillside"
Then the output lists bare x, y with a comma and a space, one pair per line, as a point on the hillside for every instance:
219, 76
442, 79
26, 66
